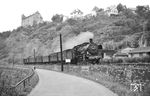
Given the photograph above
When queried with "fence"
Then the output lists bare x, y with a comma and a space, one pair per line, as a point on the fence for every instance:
24, 81
19, 87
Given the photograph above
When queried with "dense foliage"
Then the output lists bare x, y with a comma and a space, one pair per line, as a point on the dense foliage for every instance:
57, 18
145, 59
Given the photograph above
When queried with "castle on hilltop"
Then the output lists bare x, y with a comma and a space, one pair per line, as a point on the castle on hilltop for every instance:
31, 20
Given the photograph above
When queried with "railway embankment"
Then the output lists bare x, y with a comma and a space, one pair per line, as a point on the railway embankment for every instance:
16, 81
109, 76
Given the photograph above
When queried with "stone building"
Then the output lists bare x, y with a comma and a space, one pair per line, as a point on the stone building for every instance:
112, 11
31, 20
140, 52
108, 54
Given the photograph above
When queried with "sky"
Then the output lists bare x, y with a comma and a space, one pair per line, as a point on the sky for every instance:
11, 10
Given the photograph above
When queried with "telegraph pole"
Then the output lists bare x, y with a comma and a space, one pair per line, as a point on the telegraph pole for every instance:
62, 69
34, 56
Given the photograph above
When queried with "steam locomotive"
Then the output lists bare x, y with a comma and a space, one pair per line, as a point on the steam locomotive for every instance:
83, 53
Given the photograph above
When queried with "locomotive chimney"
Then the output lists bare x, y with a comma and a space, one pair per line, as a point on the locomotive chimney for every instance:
91, 40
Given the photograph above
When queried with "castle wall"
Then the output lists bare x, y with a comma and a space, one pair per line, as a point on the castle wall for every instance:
31, 20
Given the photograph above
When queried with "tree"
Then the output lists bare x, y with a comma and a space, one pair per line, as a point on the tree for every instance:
76, 13
147, 90
143, 14
146, 33
57, 18
72, 21
134, 43
5, 34
146, 26
96, 9
120, 8
143, 11
128, 13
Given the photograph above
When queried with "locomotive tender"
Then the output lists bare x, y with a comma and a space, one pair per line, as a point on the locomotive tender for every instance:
83, 53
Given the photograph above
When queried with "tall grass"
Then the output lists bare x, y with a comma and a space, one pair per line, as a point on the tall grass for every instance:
11, 76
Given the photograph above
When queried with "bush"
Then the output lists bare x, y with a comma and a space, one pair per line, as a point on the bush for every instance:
145, 59
147, 91
132, 60
71, 21
11, 76
117, 60
113, 60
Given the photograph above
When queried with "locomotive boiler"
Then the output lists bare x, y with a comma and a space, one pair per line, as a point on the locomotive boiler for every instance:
88, 52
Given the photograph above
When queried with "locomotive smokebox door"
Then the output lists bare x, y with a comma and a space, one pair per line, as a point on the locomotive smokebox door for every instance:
91, 40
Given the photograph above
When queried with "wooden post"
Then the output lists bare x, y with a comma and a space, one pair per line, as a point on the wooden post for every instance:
49, 57
41, 59
62, 69
24, 84
29, 81
34, 56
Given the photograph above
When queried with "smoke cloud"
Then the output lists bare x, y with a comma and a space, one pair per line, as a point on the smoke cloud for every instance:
73, 41
79, 39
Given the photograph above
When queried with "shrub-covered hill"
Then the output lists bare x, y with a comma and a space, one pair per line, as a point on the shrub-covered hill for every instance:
113, 32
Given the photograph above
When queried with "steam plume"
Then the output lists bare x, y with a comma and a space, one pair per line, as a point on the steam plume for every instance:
73, 41
81, 38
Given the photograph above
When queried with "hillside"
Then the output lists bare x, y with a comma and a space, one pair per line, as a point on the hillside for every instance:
113, 32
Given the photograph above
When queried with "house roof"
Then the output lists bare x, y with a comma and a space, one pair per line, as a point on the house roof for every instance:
140, 50
109, 51
126, 50
120, 54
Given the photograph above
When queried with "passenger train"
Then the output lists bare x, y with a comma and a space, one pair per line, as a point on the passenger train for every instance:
83, 53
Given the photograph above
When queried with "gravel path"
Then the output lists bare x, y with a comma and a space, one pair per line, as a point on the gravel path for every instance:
59, 84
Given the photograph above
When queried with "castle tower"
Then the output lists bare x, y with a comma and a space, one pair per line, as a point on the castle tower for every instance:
23, 16
22, 19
